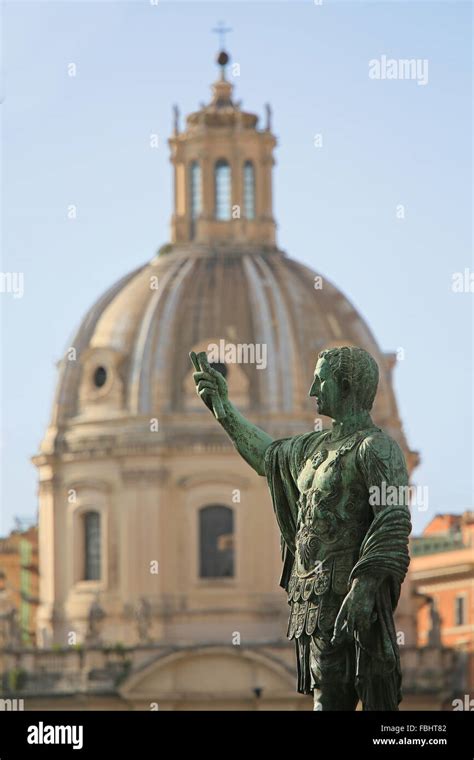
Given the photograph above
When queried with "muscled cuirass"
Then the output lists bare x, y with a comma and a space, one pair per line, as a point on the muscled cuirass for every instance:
333, 517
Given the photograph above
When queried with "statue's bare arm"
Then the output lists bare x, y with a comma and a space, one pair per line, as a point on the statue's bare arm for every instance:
250, 441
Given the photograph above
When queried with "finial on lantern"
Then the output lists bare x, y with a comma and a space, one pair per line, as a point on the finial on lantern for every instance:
223, 57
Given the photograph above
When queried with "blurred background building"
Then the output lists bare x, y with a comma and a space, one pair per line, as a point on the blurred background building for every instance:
442, 571
158, 548
19, 586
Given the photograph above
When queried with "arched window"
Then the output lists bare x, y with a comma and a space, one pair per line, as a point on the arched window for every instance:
249, 190
222, 190
92, 546
216, 542
195, 193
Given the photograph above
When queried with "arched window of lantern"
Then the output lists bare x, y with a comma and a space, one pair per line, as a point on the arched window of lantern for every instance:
216, 542
195, 193
249, 190
222, 182
92, 546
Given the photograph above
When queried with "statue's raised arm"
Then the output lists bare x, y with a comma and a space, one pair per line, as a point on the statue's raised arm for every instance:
250, 441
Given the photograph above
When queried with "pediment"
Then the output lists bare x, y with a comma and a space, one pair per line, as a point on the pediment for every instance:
194, 673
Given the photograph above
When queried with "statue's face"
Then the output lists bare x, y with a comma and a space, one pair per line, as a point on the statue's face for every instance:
326, 389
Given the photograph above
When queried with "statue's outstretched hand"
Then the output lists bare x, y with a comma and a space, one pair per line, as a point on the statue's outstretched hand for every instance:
211, 386
357, 610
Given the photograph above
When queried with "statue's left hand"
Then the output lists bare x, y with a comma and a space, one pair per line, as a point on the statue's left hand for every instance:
357, 609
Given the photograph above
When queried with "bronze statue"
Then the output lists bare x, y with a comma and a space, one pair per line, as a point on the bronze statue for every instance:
344, 551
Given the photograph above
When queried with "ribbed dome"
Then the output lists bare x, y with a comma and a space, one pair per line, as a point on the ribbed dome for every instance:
142, 329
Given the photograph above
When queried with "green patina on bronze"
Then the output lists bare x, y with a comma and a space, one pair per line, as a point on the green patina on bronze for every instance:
345, 552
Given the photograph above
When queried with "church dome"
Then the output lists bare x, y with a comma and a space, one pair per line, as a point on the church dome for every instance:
131, 350
222, 282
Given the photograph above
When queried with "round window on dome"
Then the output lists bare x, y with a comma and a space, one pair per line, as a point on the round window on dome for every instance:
100, 377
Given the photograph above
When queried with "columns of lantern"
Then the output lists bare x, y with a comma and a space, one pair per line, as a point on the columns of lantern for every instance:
208, 138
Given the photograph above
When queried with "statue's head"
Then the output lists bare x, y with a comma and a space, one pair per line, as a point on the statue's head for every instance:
345, 381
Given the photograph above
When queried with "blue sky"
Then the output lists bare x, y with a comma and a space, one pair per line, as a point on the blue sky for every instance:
84, 140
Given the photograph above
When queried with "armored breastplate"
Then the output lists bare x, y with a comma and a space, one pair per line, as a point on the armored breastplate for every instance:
333, 518
333, 512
